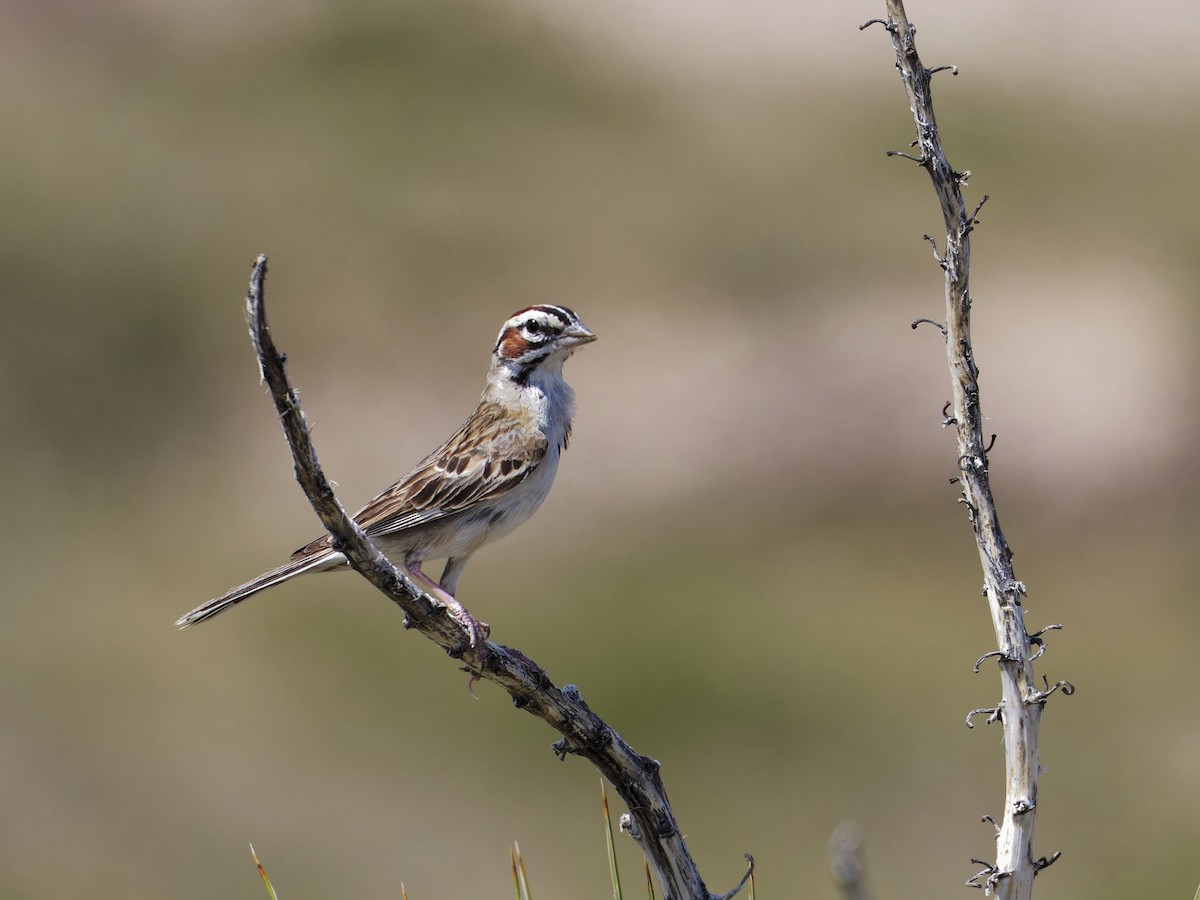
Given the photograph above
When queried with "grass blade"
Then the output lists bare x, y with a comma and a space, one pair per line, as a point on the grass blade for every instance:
520, 879
263, 873
612, 849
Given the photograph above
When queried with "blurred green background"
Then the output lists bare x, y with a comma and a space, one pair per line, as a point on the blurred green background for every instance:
752, 564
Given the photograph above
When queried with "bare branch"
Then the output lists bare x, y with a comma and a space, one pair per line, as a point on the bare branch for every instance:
994, 714
1020, 708
729, 895
938, 325
999, 654
938, 259
635, 777
1046, 862
919, 160
884, 22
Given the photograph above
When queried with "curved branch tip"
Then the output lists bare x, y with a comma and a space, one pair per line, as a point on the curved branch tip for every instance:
729, 895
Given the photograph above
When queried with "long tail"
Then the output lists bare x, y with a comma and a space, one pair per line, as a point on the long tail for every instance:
314, 563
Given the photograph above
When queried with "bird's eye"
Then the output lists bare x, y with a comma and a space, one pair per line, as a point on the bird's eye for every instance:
533, 326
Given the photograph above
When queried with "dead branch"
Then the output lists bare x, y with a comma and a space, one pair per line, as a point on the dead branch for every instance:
635, 777
1020, 710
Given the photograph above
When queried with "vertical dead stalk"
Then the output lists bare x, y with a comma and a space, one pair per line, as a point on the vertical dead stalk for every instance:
1020, 709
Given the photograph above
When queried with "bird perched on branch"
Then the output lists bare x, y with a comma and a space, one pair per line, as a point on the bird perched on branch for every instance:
488, 478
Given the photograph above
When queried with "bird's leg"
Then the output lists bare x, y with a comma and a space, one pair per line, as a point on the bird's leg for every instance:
477, 632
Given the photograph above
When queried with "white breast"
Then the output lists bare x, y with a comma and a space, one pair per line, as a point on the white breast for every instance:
546, 403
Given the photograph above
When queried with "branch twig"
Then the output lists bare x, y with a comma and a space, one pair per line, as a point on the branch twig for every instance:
1020, 709
635, 777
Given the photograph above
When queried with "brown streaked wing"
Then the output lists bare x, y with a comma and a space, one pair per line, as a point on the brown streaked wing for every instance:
484, 459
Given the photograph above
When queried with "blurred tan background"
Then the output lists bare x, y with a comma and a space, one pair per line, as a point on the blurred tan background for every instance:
752, 564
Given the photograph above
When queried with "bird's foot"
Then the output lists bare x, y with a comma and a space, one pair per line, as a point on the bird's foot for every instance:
477, 632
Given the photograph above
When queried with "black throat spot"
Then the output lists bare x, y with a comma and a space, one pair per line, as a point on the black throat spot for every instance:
521, 376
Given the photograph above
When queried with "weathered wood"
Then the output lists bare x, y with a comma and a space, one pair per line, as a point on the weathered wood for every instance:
1020, 709
635, 777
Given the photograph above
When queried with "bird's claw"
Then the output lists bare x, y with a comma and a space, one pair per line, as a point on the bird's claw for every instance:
477, 632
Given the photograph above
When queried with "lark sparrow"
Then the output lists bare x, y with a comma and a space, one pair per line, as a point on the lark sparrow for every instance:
488, 478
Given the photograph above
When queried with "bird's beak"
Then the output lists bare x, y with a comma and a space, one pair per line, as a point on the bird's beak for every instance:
577, 335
